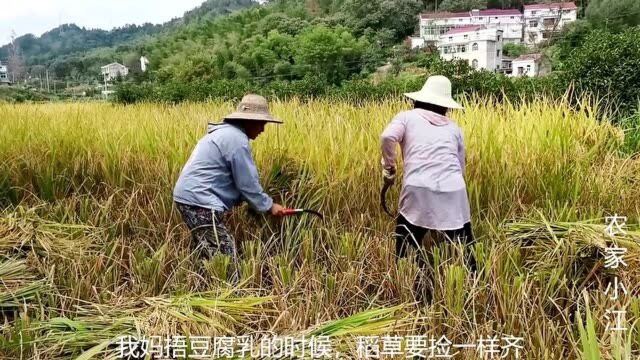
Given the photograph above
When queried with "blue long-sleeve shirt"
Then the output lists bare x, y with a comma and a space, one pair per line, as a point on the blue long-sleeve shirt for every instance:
221, 172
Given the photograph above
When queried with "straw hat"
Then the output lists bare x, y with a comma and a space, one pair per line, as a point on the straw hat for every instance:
436, 91
254, 108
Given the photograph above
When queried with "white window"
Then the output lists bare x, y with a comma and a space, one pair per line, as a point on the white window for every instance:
474, 64
474, 47
533, 23
534, 13
466, 37
450, 38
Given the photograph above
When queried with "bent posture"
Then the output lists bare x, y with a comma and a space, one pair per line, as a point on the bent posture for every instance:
219, 174
433, 196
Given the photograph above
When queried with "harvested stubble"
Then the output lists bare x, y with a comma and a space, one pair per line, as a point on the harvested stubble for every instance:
99, 177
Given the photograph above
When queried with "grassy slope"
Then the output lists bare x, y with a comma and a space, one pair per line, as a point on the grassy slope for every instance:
95, 180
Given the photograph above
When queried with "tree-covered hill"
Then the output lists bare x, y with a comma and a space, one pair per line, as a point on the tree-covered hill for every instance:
71, 52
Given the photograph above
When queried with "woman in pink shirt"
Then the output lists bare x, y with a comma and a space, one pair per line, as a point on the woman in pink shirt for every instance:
434, 194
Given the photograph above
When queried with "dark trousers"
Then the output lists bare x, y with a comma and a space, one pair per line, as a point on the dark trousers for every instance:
210, 236
408, 235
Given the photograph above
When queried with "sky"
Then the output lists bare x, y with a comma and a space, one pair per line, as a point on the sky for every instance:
39, 16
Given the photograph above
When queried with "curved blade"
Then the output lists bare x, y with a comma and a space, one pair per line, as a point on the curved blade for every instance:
289, 212
383, 199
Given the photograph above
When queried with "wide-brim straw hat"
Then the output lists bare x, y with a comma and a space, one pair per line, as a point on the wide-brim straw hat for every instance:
436, 91
253, 108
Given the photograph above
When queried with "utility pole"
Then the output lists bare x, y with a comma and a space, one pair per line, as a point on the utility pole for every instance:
48, 88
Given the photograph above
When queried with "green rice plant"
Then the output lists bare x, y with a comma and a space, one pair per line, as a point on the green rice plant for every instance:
454, 290
148, 270
218, 266
66, 338
588, 337
23, 229
283, 270
17, 285
90, 212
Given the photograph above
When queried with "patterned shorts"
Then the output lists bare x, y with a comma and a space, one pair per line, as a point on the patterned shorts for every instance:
210, 236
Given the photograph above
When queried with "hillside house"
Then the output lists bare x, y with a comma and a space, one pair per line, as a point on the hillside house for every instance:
480, 46
113, 70
4, 75
509, 21
490, 29
530, 65
415, 42
542, 21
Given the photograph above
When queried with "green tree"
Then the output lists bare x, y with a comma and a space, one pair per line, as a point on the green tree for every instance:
514, 50
330, 53
462, 5
606, 65
614, 15
399, 16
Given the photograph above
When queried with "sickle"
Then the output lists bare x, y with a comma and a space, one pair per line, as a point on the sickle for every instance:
289, 212
383, 198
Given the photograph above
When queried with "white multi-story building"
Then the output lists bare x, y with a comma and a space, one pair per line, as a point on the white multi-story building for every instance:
542, 21
480, 46
509, 21
4, 75
478, 35
114, 70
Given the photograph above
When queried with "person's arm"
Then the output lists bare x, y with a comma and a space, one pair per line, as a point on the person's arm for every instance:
245, 176
391, 136
461, 151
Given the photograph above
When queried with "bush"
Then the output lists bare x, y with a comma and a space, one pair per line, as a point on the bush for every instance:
606, 66
465, 81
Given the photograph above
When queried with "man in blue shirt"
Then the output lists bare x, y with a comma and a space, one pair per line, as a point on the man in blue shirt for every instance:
219, 175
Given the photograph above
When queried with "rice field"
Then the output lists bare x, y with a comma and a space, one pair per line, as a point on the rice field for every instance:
92, 248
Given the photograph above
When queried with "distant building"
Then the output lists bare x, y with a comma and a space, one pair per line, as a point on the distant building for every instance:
478, 35
143, 63
507, 65
542, 21
530, 65
113, 70
509, 21
4, 75
416, 42
480, 46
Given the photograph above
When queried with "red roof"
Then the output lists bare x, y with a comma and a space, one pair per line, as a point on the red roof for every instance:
464, 29
466, 14
560, 5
